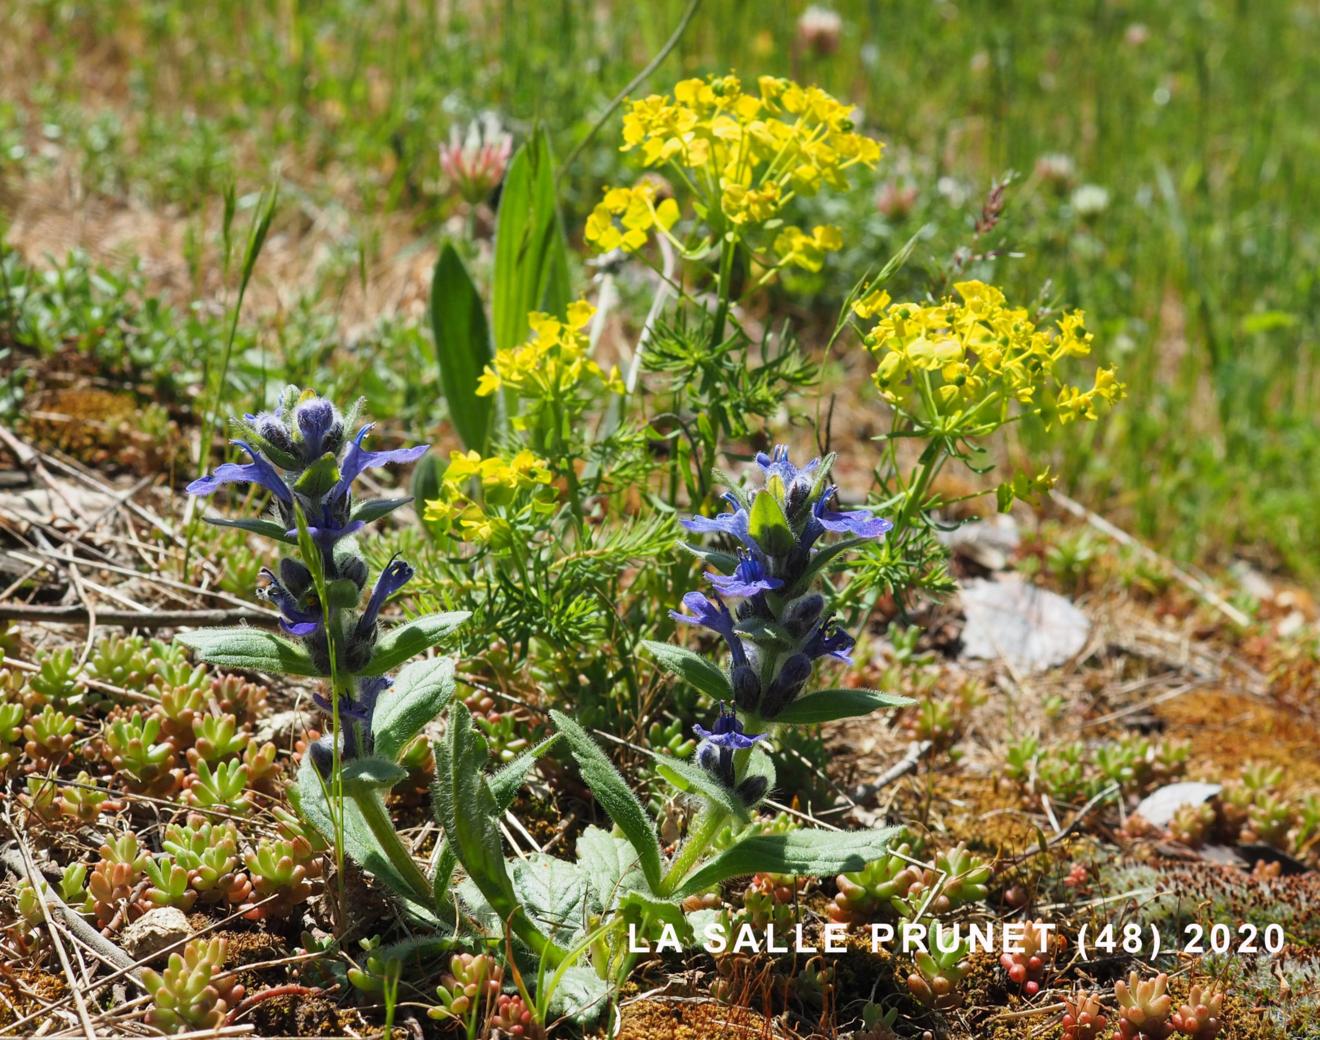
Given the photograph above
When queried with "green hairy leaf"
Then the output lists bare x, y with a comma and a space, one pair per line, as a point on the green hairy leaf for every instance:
692, 668
265, 528
375, 773
614, 795
809, 852
462, 347
359, 844
410, 639
555, 894
691, 778
828, 705
611, 865
249, 650
420, 693
375, 508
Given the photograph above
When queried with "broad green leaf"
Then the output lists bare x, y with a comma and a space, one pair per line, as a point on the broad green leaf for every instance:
248, 650
646, 912
462, 347
611, 866
265, 528
555, 894
420, 693
374, 773
828, 705
692, 668
581, 997
767, 524
808, 852
410, 639
531, 258
359, 844
690, 777
614, 795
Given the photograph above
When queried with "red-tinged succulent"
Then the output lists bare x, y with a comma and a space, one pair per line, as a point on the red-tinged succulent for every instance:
111, 887
191, 994
1200, 1016
514, 1018
1083, 1017
1026, 967
1143, 1008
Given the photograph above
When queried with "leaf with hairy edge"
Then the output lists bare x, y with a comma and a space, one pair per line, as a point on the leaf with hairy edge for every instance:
614, 795
372, 773
359, 844
378, 507
420, 693
413, 638
504, 785
809, 852
691, 668
555, 894
689, 777
828, 705
462, 347
611, 866
265, 528
248, 650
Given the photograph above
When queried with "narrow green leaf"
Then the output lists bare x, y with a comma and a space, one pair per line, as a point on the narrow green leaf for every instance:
265, 528
692, 668
462, 347
828, 705
531, 265
420, 693
809, 852
409, 640
614, 795
378, 507
248, 650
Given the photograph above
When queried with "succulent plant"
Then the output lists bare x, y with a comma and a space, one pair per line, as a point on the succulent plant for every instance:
377, 970
1027, 967
40, 799
12, 714
1083, 1017
83, 802
514, 1018
179, 707
133, 747
216, 737
1269, 820
55, 681
111, 885
283, 868
877, 1023
208, 852
964, 878
878, 888
935, 982
235, 696
225, 787
472, 983
1192, 824
169, 883
1199, 1015
259, 761
1143, 1007
769, 899
191, 994
48, 738
121, 661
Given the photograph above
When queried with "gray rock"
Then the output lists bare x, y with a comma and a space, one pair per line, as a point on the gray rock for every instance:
154, 931
1158, 807
283, 727
1031, 628
990, 542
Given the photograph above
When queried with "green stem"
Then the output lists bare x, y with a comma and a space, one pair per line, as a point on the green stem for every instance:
729, 247
700, 835
389, 842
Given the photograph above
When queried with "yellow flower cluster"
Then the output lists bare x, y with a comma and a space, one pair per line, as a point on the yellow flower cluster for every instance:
508, 487
965, 362
744, 154
552, 363
625, 215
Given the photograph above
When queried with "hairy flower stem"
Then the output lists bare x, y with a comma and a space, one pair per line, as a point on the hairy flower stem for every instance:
373, 812
700, 835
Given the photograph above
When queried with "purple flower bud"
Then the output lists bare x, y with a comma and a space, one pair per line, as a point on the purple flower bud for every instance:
793, 675
800, 616
746, 688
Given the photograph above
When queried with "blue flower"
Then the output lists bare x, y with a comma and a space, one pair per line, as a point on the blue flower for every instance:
749, 578
357, 460
734, 523
395, 575
712, 614
355, 715
798, 482
258, 471
829, 641
321, 428
728, 733
860, 523
296, 621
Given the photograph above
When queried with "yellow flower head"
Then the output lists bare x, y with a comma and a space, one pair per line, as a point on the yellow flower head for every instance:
622, 219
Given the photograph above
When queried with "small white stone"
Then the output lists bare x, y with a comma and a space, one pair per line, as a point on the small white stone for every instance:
154, 931
1031, 628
